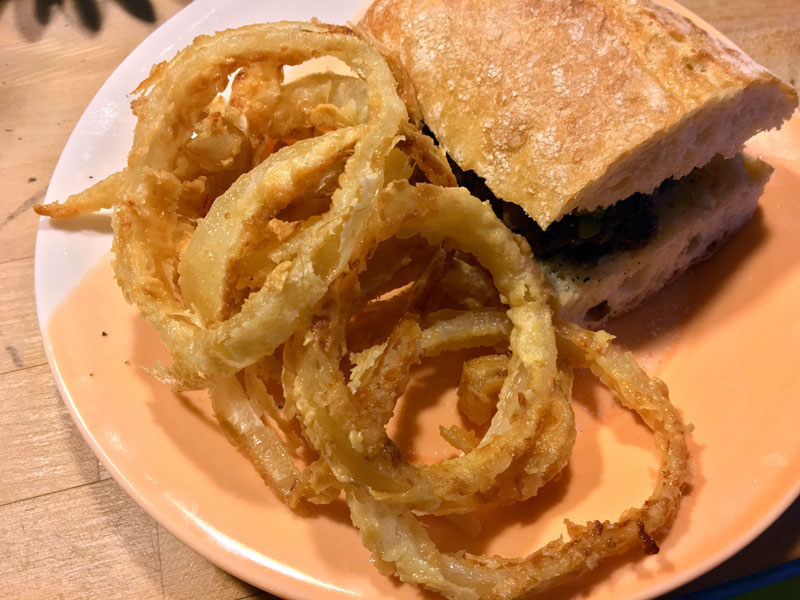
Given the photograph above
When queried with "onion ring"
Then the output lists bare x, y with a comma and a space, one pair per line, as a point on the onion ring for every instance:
532, 386
457, 576
159, 204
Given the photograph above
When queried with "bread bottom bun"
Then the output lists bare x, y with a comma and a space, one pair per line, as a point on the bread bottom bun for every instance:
695, 216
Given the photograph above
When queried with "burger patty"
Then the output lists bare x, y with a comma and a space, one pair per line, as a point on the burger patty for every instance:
578, 237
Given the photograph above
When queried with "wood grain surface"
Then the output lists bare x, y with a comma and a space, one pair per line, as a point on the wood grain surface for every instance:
66, 529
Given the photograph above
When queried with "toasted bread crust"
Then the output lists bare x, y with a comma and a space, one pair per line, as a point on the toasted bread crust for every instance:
562, 104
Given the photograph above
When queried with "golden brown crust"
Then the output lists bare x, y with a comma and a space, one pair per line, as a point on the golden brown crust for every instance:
563, 104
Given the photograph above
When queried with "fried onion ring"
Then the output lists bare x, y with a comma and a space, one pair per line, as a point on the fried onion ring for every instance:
466, 576
531, 390
155, 219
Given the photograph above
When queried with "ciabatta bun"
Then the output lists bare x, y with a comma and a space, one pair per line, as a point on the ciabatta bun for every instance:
567, 106
696, 215
561, 105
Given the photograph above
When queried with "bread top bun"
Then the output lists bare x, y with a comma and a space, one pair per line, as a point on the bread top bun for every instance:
563, 104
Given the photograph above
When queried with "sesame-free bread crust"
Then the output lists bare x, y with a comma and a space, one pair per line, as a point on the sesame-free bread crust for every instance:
566, 104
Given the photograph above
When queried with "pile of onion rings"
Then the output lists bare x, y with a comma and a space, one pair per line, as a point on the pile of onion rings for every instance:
299, 246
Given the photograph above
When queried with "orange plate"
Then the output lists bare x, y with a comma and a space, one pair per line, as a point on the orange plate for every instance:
725, 337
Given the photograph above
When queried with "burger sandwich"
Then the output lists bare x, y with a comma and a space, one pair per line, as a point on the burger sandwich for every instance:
608, 132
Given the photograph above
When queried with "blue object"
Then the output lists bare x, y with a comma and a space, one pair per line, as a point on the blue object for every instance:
778, 583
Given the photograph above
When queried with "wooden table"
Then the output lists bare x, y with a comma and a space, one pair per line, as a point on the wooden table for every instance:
66, 528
